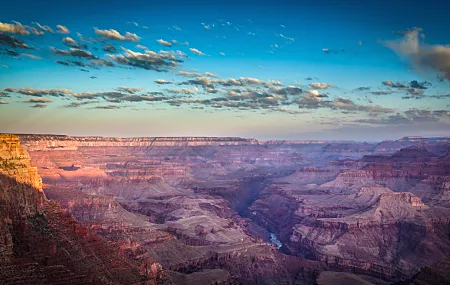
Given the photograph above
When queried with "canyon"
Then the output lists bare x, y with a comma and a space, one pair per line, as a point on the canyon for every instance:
204, 210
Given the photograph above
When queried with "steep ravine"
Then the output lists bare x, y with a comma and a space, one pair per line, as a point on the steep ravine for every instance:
279, 232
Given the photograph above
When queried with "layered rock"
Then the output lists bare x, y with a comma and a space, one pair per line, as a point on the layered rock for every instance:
184, 205
364, 217
52, 142
171, 202
439, 145
42, 244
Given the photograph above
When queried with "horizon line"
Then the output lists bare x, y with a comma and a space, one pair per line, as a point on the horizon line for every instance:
218, 137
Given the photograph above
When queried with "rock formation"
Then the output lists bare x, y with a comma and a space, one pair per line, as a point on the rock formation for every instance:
214, 210
41, 243
371, 217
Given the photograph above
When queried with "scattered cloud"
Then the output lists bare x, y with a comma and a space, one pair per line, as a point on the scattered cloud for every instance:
39, 106
314, 100
130, 90
68, 41
12, 41
210, 74
31, 56
414, 91
112, 34
183, 91
86, 95
162, 81
123, 94
202, 81
109, 48
275, 82
150, 60
411, 116
74, 52
318, 85
421, 85
175, 28
142, 98
107, 107
133, 23
312, 92
189, 74
196, 51
83, 39
393, 84
413, 88
38, 100
78, 104
309, 100
101, 62
62, 29
289, 90
12, 52
327, 50
286, 38
422, 56
381, 92
348, 105
3, 102
141, 47
45, 28
440, 96
40, 92
164, 43
15, 28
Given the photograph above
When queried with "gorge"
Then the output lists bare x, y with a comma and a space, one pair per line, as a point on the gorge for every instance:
224, 210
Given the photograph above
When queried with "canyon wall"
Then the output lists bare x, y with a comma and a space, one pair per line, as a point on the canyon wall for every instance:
43, 244
202, 208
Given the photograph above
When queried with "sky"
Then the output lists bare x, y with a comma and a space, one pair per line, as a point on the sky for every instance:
357, 70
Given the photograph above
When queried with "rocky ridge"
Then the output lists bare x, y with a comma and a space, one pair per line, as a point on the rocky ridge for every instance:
204, 207
43, 244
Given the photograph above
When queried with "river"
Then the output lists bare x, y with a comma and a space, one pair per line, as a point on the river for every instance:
274, 240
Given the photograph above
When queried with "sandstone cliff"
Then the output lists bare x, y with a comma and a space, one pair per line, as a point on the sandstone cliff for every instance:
42, 244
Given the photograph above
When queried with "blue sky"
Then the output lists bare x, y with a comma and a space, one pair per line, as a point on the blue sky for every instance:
271, 70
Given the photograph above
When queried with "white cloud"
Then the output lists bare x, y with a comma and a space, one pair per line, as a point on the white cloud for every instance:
115, 35
31, 56
189, 74
45, 28
312, 92
210, 74
164, 43
162, 81
16, 28
196, 51
318, 85
62, 29
38, 100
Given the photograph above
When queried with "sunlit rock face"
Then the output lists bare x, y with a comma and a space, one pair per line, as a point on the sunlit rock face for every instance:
42, 244
172, 201
240, 211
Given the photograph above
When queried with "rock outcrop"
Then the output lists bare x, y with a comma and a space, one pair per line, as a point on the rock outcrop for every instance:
208, 210
43, 244
387, 214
